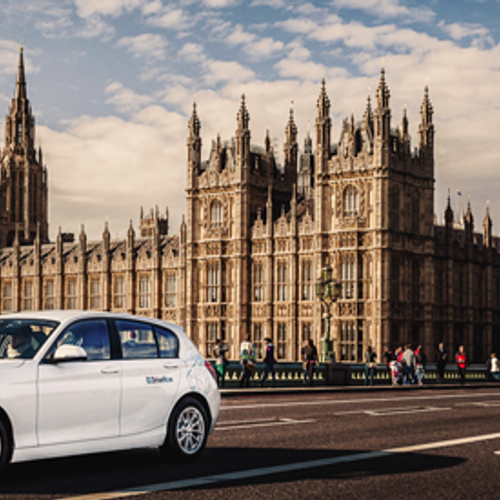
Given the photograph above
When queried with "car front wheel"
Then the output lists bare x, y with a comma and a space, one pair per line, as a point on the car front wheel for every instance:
5, 446
187, 430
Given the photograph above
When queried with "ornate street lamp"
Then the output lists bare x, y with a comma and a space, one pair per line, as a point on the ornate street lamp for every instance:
328, 292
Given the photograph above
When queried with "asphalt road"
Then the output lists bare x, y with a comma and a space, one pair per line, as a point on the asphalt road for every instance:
369, 445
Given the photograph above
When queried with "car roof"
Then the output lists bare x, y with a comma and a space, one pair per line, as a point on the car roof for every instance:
65, 315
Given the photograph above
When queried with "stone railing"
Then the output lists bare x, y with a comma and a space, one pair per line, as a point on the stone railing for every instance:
292, 375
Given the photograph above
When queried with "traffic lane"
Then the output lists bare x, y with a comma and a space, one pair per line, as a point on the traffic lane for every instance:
368, 423
460, 473
233, 450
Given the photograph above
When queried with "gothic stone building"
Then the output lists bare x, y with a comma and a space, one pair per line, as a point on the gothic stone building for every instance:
257, 235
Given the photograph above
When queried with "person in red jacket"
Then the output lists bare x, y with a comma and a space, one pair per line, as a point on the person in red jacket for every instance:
461, 360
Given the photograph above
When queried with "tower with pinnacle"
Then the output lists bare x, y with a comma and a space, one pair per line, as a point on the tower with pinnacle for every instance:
23, 175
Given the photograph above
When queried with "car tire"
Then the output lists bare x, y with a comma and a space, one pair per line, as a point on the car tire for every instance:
5, 446
187, 431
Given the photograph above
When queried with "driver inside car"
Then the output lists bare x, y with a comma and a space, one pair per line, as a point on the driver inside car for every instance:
21, 345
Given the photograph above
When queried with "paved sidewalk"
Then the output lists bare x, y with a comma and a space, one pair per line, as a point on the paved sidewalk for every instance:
324, 389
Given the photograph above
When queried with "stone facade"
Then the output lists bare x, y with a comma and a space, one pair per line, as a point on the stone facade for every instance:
257, 234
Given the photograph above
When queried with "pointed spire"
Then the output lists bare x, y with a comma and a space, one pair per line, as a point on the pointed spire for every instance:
268, 141
383, 93
368, 114
448, 213
21, 79
404, 123
323, 103
194, 123
487, 227
291, 128
468, 218
243, 117
426, 109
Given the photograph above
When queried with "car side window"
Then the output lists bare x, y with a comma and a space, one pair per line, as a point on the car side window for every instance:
138, 340
91, 335
168, 343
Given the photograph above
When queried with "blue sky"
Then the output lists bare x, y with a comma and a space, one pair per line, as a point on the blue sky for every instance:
112, 83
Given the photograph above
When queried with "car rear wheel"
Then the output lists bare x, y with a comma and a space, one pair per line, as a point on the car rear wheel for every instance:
5, 446
187, 430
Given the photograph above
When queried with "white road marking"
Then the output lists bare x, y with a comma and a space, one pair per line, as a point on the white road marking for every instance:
236, 422
389, 411
383, 412
278, 469
364, 400
484, 404
281, 421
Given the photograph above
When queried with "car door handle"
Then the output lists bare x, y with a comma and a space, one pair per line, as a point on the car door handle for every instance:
171, 366
109, 370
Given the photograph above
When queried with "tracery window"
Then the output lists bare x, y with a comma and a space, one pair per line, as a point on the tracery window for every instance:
258, 279
119, 292
307, 280
144, 292
71, 294
282, 281
216, 214
281, 341
351, 202
28, 295
170, 290
95, 293
49, 295
348, 277
7, 297
213, 281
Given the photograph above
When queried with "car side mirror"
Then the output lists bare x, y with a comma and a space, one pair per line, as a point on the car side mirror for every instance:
66, 353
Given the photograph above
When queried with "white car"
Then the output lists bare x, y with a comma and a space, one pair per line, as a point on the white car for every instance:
74, 382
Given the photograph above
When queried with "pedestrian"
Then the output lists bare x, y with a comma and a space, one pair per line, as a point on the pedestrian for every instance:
494, 368
388, 357
269, 361
408, 361
303, 353
247, 359
221, 362
420, 360
370, 364
312, 361
440, 358
397, 366
461, 360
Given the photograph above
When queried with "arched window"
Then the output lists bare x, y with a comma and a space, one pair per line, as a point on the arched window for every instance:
351, 202
216, 215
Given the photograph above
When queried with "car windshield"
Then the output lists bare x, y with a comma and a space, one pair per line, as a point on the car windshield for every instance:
22, 338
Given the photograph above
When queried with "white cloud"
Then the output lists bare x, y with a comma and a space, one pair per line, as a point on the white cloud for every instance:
148, 45
126, 100
222, 71
89, 8
459, 31
219, 4
192, 52
275, 4
388, 9
254, 46
171, 17
140, 160
298, 25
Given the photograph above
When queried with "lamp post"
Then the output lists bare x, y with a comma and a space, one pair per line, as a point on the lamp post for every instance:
328, 292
